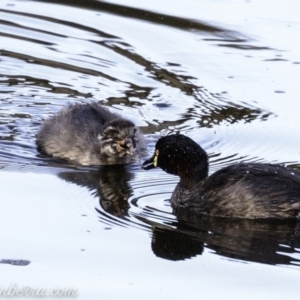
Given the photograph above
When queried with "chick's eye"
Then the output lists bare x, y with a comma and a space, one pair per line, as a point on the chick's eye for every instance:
115, 136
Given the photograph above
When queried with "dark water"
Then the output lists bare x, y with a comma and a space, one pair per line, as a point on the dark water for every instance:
224, 73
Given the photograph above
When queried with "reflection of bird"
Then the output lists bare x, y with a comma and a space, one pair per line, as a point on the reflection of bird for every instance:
264, 241
89, 134
251, 190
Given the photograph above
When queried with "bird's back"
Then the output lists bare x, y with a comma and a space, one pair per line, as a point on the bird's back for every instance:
74, 131
245, 191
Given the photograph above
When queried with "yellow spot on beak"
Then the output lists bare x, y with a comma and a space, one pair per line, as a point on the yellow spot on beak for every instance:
155, 158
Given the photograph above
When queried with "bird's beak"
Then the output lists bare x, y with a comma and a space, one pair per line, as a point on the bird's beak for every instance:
149, 163
126, 146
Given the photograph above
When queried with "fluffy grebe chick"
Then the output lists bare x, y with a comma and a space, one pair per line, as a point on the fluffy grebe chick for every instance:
252, 190
89, 134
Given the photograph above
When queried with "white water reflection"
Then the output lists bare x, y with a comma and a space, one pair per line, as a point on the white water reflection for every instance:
58, 231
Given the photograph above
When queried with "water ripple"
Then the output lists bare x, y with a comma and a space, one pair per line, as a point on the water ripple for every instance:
172, 75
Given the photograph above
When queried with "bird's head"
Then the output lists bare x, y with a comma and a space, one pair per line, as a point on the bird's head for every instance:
179, 155
118, 138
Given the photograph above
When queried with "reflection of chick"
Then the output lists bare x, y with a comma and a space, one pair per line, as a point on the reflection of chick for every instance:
110, 183
89, 134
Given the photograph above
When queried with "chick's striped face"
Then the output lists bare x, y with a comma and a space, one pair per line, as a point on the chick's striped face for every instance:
118, 138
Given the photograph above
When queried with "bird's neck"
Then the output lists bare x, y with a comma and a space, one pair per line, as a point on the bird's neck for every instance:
192, 175
189, 182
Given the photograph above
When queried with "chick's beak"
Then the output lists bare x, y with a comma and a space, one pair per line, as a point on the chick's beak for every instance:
125, 145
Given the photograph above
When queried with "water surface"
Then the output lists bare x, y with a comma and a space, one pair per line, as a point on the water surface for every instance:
224, 73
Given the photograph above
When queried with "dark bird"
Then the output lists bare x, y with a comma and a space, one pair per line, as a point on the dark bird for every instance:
243, 190
89, 134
